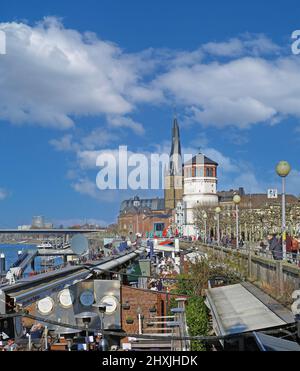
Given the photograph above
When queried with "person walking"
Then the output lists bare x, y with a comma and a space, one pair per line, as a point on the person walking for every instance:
275, 247
11, 346
288, 245
295, 249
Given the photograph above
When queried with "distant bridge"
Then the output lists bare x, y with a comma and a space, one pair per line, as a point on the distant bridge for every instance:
50, 231
31, 289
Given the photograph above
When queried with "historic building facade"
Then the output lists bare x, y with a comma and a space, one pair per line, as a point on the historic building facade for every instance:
142, 220
154, 215
200, 189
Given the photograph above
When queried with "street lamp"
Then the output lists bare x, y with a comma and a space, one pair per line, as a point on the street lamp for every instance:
237, 200
86, 318
283, 169
218, 210
102, 309
140, 319
205, 228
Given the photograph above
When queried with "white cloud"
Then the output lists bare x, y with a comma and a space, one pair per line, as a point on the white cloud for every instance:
51, 74
3, 194
119, 121
240, 92
87, 159
97, 138
246, 44
65, 143
225, 163
248, 180
86, 186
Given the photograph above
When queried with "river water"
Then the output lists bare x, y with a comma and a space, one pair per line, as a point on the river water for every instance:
11, 255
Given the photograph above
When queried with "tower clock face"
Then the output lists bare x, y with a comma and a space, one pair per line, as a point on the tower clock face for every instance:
87, 298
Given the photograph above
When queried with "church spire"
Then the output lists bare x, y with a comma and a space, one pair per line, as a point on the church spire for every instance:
175, 155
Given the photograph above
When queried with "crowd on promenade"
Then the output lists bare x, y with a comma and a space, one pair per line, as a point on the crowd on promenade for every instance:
274, 245
270, 246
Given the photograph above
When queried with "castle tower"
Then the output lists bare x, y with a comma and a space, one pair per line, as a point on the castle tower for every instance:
173, 177
200, 188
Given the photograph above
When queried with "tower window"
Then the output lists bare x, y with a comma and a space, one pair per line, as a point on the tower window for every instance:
209, 172
199, 171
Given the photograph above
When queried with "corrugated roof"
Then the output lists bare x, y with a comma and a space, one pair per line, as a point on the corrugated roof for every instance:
236, 310
267, 343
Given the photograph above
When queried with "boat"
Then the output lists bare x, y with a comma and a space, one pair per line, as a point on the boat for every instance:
45, 245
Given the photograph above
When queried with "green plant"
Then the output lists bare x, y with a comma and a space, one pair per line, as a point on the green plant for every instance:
197, 321
129, 320
193, 285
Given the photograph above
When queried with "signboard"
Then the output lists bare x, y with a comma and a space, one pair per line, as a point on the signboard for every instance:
145, 267
272, 193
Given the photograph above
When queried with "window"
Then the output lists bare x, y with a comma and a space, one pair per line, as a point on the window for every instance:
209, 172
159, 227
188, 172
199, 171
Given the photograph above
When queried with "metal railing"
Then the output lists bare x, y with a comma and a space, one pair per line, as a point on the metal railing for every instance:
290, 257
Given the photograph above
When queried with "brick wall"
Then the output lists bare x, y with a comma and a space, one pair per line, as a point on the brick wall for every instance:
145, 299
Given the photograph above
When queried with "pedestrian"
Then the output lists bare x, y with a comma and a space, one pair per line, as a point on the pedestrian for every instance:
275, 247
11, 346
295, 249
288, 245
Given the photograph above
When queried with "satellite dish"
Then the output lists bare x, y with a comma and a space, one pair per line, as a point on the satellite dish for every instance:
79, 244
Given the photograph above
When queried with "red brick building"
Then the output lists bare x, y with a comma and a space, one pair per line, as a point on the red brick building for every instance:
138, 218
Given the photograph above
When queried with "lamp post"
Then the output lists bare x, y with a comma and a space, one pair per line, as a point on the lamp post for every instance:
237, 200
103, 345
86, 318
205, 227
140, 319
283, 169
218, 210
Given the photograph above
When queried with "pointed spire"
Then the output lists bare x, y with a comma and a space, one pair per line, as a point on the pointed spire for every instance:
175, 155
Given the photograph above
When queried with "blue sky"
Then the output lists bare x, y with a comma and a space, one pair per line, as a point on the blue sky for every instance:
67, 94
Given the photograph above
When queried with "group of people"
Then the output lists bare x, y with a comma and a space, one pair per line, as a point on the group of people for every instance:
275, 246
